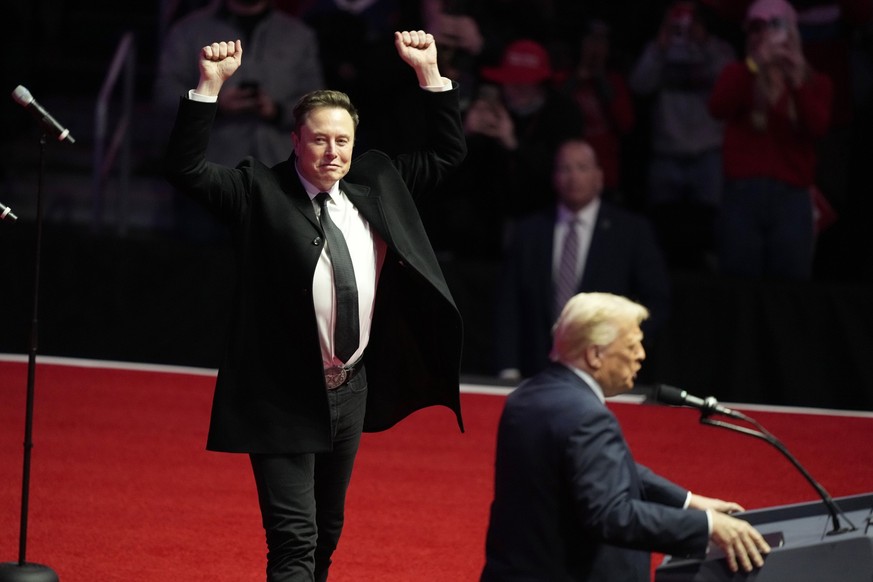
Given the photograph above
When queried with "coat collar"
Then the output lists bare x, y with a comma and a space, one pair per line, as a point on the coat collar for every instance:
368, 205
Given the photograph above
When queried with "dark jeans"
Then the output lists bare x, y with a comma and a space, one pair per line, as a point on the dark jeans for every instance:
766, 230
685, 192
302, 497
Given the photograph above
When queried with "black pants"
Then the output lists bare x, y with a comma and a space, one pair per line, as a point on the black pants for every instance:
302, 497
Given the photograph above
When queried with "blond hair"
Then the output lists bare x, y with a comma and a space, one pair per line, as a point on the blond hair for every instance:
592, 319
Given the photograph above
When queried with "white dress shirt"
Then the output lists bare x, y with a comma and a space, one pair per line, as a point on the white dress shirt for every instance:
367, 250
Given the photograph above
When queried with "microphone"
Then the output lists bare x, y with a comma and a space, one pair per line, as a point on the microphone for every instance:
6, 212
23, 97
678, 397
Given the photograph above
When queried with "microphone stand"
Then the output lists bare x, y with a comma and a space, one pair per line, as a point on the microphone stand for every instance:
22, 571
763, 434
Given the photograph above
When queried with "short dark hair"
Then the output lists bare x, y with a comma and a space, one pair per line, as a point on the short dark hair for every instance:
319, 99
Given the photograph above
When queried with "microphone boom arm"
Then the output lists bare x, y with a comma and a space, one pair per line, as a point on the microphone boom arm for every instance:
764, 435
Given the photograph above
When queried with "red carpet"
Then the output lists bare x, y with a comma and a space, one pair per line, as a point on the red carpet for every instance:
122, 488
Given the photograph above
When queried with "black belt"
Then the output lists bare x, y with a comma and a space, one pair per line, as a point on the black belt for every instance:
337, 376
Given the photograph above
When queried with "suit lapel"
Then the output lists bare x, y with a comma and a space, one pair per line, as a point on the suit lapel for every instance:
289, 181
542, 253
540, 259
599, 238
369, 206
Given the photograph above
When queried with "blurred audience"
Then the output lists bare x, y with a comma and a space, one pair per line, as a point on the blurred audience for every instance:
602, 95
583, 243
357, 53
282, 63
527, 119
462, 43
678, 69
255, 111
590, 52
513, 127
776, 107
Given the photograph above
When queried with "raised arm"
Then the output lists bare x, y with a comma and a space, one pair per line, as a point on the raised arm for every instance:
218, 62
418, 49
222, 189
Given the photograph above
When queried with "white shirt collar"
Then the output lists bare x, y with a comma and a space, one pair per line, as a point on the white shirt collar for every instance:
312, 190
587, 214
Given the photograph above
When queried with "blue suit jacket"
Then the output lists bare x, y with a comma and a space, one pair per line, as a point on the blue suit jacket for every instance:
570, 503
624, 258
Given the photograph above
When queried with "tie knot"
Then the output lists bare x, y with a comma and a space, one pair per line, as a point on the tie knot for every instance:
322, 198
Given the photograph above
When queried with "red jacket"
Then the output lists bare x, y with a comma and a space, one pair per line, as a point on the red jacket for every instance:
785, 150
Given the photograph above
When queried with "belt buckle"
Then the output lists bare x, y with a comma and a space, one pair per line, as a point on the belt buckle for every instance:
335, 376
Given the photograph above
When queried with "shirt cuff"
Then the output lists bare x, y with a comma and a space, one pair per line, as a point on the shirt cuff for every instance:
202, 98
446, 86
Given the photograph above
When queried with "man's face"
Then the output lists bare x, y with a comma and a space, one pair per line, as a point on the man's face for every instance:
324, 146
620, 361
576, 176
522, 98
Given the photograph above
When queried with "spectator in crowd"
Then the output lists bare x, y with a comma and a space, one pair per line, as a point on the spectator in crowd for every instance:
678, 69
513, 127
570, 502
526, 121
477, 31
775, 107
462, 42
585, 243
602, 94
255, 110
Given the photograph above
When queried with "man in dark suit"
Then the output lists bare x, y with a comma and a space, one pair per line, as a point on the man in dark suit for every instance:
584, 242
331, 333
570, 503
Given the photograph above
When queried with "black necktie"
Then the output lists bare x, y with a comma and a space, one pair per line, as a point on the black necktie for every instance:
346, 333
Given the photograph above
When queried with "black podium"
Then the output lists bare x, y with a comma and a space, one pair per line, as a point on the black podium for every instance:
806, 551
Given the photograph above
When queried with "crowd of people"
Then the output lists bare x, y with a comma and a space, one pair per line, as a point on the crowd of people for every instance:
686, 141
721, 122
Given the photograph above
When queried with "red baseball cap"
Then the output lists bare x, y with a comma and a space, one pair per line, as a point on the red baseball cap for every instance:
524, 62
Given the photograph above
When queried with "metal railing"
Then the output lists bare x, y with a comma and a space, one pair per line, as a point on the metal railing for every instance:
107, 148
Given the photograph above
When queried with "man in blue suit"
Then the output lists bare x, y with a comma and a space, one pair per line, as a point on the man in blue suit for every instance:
612, 250
570, 503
